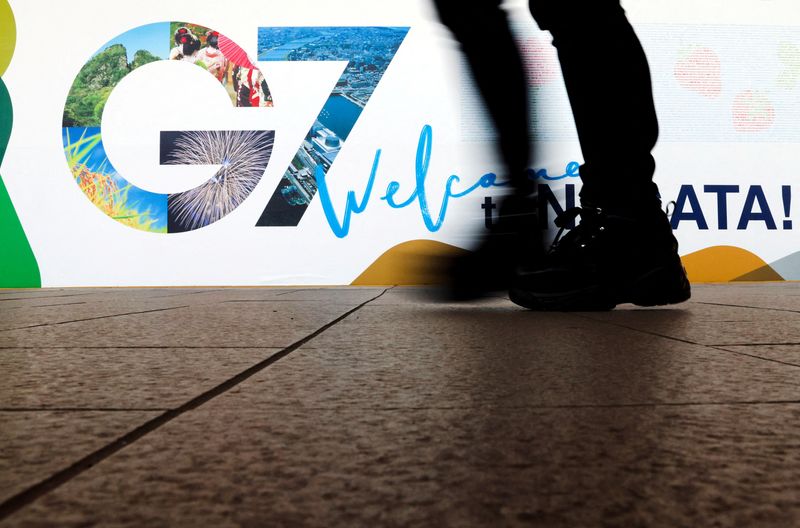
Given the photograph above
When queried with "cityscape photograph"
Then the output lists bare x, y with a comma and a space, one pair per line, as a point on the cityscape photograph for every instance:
368, 52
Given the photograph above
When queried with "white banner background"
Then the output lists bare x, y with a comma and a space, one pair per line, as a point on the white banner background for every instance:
76, 244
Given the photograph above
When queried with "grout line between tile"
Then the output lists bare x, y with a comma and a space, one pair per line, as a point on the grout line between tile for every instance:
198, 292
81, 409
746, 306
720, 348
45, 297
56, 480
28, 307
672, 338
93, 318
340, 408
788, 343
53, 305
618, 325
147, 347
273, 300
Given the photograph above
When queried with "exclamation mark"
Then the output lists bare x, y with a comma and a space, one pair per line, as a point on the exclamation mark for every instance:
787, 206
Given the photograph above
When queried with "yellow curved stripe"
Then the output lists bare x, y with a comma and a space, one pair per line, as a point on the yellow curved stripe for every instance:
727, 263
410, 263
8, 35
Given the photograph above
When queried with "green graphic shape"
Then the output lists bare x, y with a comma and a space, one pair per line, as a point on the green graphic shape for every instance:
8, 35
18, 267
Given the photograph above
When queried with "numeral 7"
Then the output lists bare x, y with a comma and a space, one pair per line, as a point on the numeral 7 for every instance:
368, 52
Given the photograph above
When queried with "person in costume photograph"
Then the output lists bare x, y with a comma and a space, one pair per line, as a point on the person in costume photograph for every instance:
187, 45
212, 58
250, 87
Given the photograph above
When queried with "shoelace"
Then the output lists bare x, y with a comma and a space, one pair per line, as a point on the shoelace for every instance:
590, 217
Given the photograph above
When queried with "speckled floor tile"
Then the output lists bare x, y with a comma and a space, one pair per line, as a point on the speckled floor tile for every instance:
783, 295
68, 310
765, 331
136, 378
34, 445
704, 312
783, 353
39, 297
650, 466
559, 374
224, 324
409, 412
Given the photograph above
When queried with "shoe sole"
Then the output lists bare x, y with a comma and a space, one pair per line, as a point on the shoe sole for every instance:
658, 287
591, 299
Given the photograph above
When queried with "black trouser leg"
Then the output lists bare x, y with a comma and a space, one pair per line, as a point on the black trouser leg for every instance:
608, 82
481, 27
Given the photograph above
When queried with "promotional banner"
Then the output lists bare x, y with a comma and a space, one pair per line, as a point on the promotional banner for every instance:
324, 143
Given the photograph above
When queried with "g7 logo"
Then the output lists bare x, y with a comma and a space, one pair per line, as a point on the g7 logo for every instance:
243, 156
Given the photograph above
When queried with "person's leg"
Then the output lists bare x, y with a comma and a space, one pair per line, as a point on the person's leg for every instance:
623, 249
482, 29
608, 82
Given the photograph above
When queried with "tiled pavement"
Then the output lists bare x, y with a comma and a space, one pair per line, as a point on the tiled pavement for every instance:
376, 407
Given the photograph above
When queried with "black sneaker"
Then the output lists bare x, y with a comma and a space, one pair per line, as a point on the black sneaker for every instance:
610, 258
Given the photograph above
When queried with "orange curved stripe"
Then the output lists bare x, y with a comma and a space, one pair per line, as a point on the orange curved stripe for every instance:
410, 263
727, 263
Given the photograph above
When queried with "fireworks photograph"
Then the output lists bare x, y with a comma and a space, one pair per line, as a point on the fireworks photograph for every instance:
242, 157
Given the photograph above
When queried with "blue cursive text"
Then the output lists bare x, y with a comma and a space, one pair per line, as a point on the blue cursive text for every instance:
424, 148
